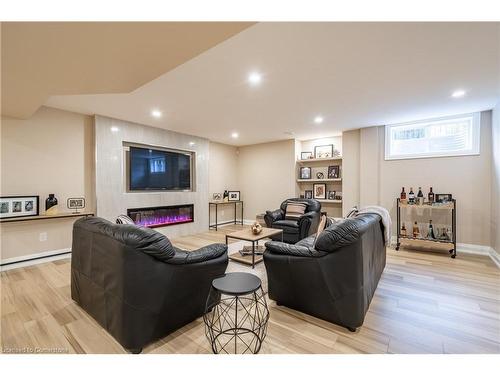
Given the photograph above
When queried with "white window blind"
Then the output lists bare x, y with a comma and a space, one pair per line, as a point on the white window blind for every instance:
450, 136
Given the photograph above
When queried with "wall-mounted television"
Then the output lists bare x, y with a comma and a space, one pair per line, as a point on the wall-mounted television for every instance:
153, 169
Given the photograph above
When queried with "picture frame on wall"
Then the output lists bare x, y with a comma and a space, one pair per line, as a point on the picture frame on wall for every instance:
322, 152
305, 173
308, 194
233, 196
19, 206
306, 155
319, 191
334, 171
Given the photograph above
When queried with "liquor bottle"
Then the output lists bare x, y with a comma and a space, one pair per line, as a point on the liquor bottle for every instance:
430, 233
420, 196
430, 196
403, 195
403, 230
416, 232
411, 196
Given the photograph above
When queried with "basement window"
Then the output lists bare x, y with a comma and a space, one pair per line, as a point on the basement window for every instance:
448, 136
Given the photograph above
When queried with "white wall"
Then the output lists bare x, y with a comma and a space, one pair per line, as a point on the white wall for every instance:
495, 180
51, 152
113, 198
468, 178
266, 176
223, 175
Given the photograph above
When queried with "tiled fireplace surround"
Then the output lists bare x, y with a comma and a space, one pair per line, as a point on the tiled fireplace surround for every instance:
112, 196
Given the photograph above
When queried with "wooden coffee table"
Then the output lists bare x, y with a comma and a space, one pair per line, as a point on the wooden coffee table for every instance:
247, 235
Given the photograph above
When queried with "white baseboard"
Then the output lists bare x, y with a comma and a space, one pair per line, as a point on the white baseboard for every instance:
29, 260
248, 221
467, 248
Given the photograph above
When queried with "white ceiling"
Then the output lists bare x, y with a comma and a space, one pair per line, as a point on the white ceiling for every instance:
353, 74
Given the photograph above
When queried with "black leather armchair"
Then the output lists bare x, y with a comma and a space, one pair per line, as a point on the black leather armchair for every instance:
295, 230
333, 279
135, 284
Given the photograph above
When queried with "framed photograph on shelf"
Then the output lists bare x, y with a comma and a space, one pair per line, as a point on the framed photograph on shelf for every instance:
331, 195
321, 152
76, 204
334, 171
444, 198
305, 173
234, 196
19, 206
319, 191
308, 194
306, 155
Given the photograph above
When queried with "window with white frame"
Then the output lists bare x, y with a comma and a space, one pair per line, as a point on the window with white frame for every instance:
448, 136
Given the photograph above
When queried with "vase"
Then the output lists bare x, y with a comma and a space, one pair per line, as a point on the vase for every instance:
51, 205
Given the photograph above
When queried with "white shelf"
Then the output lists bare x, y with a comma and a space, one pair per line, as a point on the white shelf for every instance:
318, 180
339, 158
330, 201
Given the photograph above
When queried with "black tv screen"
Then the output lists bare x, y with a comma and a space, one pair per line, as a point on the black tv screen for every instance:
159, 170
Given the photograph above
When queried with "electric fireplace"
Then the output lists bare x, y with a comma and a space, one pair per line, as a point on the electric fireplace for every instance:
153, 217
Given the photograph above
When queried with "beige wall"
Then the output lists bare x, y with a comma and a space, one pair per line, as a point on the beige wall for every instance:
495, 181
51, 152
222, 175
351, 169
266, 176
468, 178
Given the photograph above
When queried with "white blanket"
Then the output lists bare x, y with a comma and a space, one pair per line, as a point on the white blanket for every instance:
386, 219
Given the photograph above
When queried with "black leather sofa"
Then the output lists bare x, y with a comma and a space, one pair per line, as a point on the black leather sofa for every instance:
295, 230
335, 279
135, 284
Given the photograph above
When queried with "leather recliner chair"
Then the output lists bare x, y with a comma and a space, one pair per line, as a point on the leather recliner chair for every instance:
135, 284
333, 279
295, 230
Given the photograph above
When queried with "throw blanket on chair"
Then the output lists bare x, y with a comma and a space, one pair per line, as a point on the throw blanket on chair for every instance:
386, 219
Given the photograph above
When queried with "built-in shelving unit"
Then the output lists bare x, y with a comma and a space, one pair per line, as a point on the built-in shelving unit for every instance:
332, 207
61, 215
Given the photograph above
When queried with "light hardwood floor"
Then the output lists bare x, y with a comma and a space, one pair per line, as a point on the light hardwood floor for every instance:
425, 303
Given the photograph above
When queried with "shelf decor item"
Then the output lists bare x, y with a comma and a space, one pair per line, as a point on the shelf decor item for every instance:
443, 198
75, 204
305, 173
334, 171
320, 175
216, 196
225, 196
17, 206
331, 195
319, 191
325, 151
51, 207
234, 196
308, 194
256, 228
306, 155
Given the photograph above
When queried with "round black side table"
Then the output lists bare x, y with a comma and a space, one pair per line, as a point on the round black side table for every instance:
236, 314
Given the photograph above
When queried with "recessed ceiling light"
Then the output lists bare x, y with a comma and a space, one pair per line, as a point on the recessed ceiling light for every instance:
114, 129
254, 78
234, 135
458, 94
192, 143
318, 119
156, 113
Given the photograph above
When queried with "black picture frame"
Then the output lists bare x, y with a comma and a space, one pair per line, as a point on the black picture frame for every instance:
305, 155
320, 151
331, 194
233, 195
25, 206
443, 198
319, 191
334, 171
308, 194
303, 175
